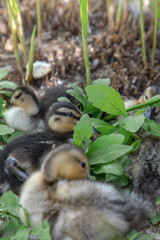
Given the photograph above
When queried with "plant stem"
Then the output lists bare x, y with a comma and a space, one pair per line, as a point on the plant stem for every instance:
29, 75
155, 31
119, 13
84, 21
39, 23
19, 26
146, 104
143, 34
15, 41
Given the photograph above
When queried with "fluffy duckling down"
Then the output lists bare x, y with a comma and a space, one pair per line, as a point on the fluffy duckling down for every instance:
25, 154
150, 91
77, 209
29, 109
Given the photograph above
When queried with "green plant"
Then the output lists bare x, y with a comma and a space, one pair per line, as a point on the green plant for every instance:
39, 23
143, 34
5, 86
17, 30
156, 6
119, 13
84, 21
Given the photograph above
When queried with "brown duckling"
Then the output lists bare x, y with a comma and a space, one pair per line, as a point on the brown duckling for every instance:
77, 209
29, 109
24, 155
150, 91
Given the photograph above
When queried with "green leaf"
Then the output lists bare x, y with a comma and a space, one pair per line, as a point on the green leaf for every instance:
106, 99
83, 129
136, 145
23, 232
102, 81
103, 127
114, 168
77, 89
145, 237
133, 235
8, 84
4, 129
4, 71
155, 219
9, 228
106, 140
2, 107
152, 127
108, 154
14, 135
121, 181
10, 201
158, 200
42, 231
139, 112
77, 96
63, 99
7, 93
132, 123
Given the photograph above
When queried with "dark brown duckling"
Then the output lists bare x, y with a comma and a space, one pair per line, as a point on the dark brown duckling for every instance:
24, 155
77, 209
29, 108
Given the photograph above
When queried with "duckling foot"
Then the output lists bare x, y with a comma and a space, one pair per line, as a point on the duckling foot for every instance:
12, 167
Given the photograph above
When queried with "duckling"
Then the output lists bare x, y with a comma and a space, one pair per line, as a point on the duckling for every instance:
29, 109
77, 209
23, 114
24, 155
144, 170
148, 93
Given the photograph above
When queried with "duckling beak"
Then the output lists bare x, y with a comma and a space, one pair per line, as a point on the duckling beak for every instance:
148, 113
96, 132
12, 166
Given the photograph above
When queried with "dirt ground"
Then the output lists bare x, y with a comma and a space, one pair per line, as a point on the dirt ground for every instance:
113, 52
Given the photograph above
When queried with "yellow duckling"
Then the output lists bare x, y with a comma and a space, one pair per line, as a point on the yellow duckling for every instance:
77, 209
148, 93
29, 108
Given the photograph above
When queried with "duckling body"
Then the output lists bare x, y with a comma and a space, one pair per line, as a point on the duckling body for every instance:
24, 155
144, 169
77, 209
29, 109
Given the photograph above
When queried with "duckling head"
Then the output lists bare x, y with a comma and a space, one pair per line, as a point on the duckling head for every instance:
148, 93
25, 97
66, 161
62, 117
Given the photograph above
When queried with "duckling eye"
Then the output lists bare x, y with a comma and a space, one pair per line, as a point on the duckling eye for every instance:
146, 97
83, 165
70, 114
16, 97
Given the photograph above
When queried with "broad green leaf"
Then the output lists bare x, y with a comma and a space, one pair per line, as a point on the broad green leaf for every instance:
102, 81
6, 93
158, 200
106, 99
4, 71
103, 127
114, 168
136, 145
145, 237
23, 232
139, 112
14, 135
132, 123
90, 109
63, 99
83, 129
9, 228
152, 100
106, 140
152, 127
2, 107
8, 84
155, 219
110, 177
4, 129
77, 89
108, 154
10, 201
77, 96
121, 181
42, 231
